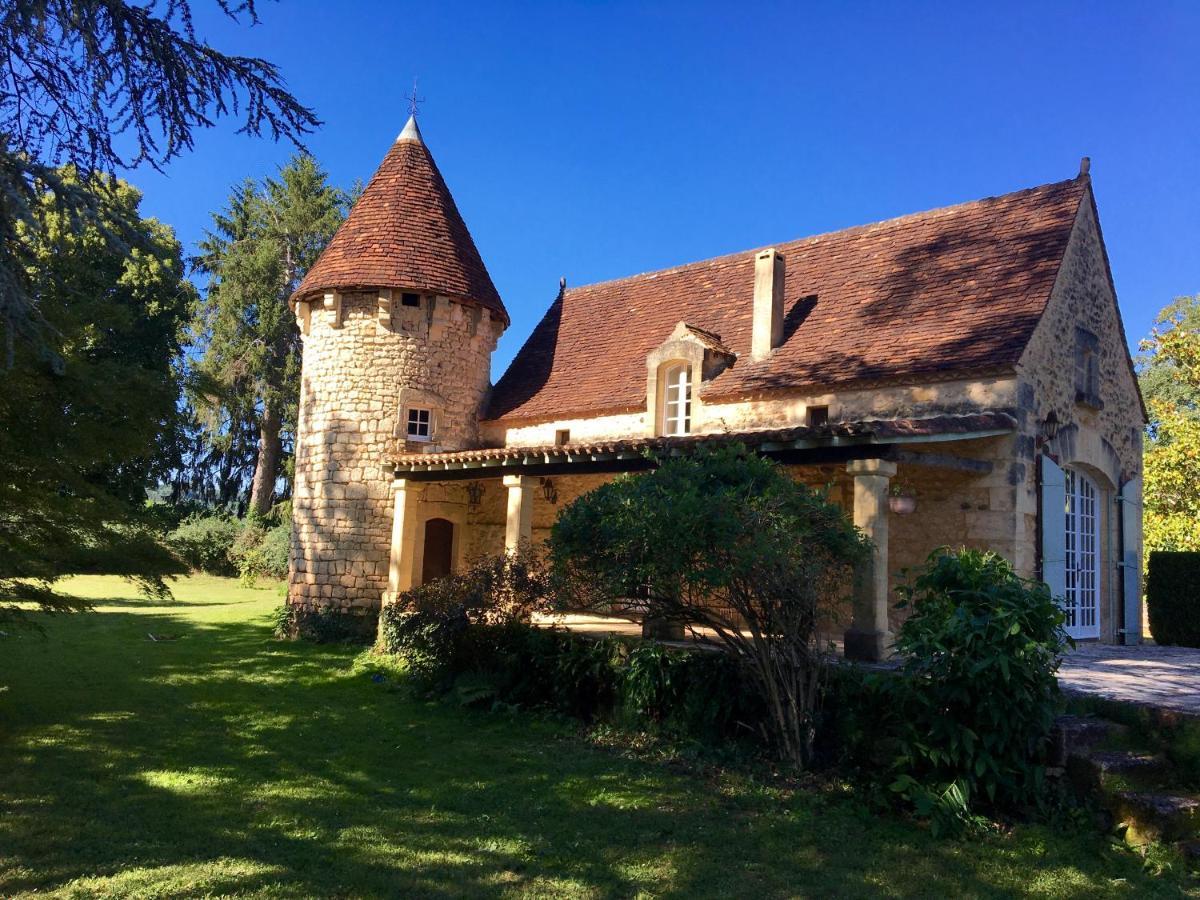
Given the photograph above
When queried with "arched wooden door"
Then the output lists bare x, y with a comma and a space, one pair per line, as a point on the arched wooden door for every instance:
437, 560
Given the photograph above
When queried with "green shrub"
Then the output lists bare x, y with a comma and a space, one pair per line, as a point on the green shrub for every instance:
281, 620
704, 695
1173, 597
467, 636
205, 543
431, 642
724, 539
261, 552
547, 668
979, 695
427, 625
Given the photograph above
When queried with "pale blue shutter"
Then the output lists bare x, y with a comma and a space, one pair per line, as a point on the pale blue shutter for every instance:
1130, 503
1054, 528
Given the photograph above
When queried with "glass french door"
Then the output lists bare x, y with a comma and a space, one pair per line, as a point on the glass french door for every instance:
1081, 600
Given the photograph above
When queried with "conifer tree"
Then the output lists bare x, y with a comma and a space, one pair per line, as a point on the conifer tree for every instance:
259, 249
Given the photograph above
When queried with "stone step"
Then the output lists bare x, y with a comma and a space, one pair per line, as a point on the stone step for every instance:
1079, 734
1096, 770
1151, 816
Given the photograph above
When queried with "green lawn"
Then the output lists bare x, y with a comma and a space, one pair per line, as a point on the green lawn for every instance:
227, 763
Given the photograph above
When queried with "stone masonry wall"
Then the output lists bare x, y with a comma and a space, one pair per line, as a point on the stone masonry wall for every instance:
1104, 442
936, 398
356, 363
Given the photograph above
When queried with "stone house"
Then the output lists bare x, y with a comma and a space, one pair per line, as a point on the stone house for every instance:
953, 377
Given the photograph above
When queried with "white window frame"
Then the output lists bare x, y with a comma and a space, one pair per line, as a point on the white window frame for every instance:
676, 415
412, 417
1081, 599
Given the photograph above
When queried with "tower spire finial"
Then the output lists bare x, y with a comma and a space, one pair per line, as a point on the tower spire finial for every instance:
411, 132
414, 101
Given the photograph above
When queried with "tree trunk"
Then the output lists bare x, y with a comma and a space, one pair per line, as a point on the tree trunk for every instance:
266, 469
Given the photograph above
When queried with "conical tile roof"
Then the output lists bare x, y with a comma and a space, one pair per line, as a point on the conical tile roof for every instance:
405, 232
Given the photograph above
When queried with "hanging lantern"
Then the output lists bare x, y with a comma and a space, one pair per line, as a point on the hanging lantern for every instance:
474, 495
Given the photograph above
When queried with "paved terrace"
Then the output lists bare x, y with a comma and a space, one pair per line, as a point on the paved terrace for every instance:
1162, 677
1149, 675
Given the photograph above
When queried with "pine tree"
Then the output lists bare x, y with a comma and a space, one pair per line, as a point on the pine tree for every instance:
261, 245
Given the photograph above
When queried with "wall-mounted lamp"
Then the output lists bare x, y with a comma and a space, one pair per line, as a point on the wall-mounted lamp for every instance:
549, 491
474, 495
1049, 428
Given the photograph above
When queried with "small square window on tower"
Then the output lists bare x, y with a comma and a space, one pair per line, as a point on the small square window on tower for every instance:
410, 300
418, 424
562, 436
816, 416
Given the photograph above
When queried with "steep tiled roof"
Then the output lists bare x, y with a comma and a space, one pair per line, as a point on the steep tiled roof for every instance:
935, 294
405, 232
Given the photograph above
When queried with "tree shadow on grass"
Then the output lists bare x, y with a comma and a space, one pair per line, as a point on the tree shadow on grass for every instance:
243, 765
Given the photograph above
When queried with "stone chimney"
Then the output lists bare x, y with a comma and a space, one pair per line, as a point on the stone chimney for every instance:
767, 332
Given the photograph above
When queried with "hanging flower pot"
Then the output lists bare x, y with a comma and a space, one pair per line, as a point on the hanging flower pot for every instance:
903, 500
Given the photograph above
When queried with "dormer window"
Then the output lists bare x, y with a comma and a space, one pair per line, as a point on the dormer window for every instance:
419, 424
677, 399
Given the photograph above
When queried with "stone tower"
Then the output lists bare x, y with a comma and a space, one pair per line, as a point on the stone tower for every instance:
399, 318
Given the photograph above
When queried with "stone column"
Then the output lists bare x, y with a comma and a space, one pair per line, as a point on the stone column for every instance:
868, 637
404, 538
518, 528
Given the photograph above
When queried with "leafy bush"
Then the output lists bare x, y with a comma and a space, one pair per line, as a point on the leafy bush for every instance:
547, 668
467, 636
690, 693
978, 694
205, 543
262, 552
723, 539
1173, 597
427, 625
281, 620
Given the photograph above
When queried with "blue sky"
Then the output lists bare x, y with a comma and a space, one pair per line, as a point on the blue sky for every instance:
593, 140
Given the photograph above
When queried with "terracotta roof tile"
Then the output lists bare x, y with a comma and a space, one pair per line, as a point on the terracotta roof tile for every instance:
931, 295
405, 232
880, 431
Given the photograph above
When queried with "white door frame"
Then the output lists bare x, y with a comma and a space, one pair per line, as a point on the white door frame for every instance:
1081, 599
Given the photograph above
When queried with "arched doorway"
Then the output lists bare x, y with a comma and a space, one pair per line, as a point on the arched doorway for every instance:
1081, 598
437, 560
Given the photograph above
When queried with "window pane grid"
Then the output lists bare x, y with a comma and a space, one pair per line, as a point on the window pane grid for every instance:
677, 404
1082, 600
418, 424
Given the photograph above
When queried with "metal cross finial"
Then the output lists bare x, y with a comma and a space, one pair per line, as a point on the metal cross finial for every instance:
413, 100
